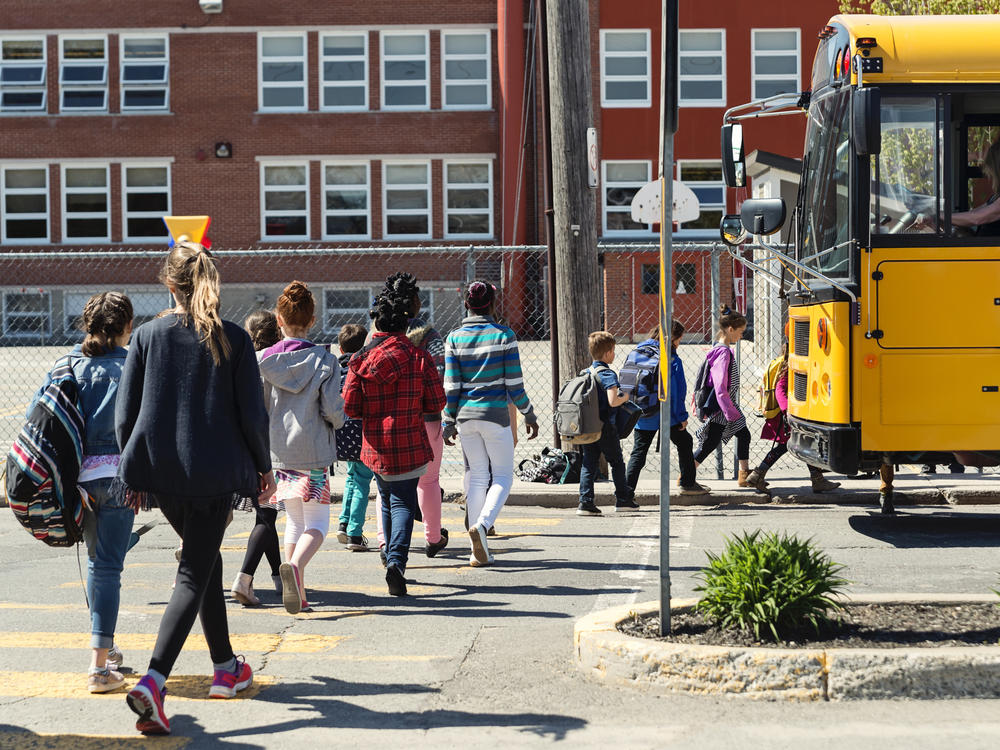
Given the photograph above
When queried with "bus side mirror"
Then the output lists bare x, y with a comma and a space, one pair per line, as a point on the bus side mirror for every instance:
763, 215
734, 168
866, 121
732, 231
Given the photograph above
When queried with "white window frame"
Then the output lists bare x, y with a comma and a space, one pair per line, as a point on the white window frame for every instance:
304, 60
681, 163
163, 83
4, 216
426, 58
606, 184
606, 79
487, 82
37, 87
324, 84
264, 213
147, 304
7, 316
756, 77
387, 212
64, 87
126, 191
106, 215
327, 310
681, 102
462, 185
327, 212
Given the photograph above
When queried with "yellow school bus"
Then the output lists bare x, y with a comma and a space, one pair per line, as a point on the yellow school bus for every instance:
894, 293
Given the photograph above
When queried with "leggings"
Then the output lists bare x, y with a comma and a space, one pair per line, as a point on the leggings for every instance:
777, 451
201, 524
303, 517
263, 541
714, 438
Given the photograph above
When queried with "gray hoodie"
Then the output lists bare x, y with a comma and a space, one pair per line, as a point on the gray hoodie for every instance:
302, 394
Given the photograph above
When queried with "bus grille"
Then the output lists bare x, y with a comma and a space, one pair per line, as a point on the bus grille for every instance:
801, 338
800, 385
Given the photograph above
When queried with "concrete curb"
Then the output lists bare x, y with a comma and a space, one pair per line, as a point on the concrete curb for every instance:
786, 674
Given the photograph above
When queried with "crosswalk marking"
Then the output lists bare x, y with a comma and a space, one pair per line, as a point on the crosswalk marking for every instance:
185, 687
289, 643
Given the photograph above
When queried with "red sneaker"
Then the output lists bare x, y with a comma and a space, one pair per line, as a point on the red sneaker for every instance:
147, 701
226, 684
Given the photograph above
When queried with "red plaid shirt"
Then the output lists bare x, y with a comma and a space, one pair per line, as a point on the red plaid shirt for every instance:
390, 385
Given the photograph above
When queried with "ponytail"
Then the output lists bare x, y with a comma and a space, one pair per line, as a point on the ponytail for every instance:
729, 318
190, 270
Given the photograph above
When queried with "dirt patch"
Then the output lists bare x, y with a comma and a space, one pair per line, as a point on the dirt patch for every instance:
859, 626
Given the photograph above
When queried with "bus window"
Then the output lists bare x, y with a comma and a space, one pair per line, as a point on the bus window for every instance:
903, 195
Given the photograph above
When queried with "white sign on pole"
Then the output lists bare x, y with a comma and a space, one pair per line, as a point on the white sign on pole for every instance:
646, 204
593, 177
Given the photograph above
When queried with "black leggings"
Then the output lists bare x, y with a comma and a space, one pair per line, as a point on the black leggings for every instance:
714, 438
201, 524
263, 541
777, 451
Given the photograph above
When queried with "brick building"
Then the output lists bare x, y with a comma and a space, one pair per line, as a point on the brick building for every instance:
345, 125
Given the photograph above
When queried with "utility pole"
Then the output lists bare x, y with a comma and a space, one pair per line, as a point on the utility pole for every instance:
577, 278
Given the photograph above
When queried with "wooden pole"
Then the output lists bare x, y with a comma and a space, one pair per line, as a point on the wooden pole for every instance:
577, 277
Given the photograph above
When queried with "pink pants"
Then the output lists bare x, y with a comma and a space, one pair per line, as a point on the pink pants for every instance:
428, 490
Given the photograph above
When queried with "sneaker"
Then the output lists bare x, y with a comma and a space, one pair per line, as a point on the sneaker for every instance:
382, 556
395, 581
226, 684
115, 656
696, 489
626, 505
480, 549
588, 509
105, 681
147, 701
434, 547
473, 562
291, 597
342, 534
178, 552
357, 543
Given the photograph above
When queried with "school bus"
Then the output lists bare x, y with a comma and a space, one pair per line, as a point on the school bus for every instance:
894, 307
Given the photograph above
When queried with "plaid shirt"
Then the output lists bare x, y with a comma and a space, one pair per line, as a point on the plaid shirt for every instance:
390, 385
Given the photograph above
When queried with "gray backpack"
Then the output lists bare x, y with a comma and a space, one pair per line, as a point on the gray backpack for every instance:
578, 415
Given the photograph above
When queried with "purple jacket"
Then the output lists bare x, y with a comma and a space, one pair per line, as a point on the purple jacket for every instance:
719, 357
776, 428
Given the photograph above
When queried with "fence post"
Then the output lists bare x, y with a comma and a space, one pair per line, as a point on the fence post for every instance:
720, 471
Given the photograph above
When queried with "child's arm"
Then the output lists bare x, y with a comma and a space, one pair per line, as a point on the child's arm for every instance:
720, 381
452, 389
331, 403
616, 396
352, 395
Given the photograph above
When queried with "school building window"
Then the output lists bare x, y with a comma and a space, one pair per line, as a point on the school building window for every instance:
344, 72
146, 198
775, 62
83, 74
285, 201
144, 73
621, 181
346, 201
705, 180
468, 207
465, 70
685, 278
281, 72
25, 206
701, 64
650, 278
145, 307
22, 75
405, 70
27, 314
625, 68
406, 200
343, 306
85, 204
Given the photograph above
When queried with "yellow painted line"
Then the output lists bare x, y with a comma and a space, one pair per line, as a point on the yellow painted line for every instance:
52, 741
292, 643
275, 609
185, 687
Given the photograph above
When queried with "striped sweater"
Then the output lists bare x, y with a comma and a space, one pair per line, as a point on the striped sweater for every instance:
482, 372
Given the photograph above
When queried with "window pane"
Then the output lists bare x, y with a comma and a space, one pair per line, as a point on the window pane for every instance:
346, 199
701, 66
621, 221
625, 90
86, 177
406, 174
468, 223
146, 176
344, 96
86, 227
466, 96
274, 72
701, 90
15, 50
621, 196
81, 49
776, 65
284, 175
26, 204
146, 227
405, 199
348, 299
405, 70
22, 74
625, 172
145, 99
706, 220
147, 202
285, 200
347, 224
700, 172
700, 41
344, 71
154, 72
468, 198
285, 225
281, 46
774, 40
83, 100
26, 229
83, 73
707, 194
461, 70
465, 44
466, 173
625, 66
405, 96
346, 175
22, 99
406, 225
764, 89
141, 47
628, 41
404, 45
283, 97
343, 45
86, 202
24, 178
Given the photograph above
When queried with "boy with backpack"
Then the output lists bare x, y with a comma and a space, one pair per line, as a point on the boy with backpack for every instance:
640, 377
609, 397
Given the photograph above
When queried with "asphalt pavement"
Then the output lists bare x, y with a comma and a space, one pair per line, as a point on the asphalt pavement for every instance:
474, 657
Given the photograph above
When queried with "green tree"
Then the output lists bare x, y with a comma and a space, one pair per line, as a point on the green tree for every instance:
920, 7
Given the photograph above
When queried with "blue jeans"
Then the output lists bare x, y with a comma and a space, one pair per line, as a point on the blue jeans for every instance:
106, 531
399, 504
611, 447
356, 489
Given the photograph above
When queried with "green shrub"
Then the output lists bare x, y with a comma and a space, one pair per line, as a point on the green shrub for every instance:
771, 585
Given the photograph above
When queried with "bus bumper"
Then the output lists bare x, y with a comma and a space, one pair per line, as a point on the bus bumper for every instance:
836, 448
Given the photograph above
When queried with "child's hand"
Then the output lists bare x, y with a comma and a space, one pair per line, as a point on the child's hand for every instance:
267, 487
532, 429
684, 425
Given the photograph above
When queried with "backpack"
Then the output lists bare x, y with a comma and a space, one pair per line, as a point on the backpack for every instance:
578, 413
639, 377
703, 401
551, 466
348, 437
767, 405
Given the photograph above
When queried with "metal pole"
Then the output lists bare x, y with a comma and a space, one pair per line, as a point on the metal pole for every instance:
720, 470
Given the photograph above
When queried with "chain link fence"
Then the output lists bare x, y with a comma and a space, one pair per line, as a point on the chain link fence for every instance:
43, 293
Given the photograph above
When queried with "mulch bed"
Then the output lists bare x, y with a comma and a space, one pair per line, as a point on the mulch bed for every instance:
860, 626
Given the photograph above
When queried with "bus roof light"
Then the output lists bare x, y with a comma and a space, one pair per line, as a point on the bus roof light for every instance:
826, 32
866, 42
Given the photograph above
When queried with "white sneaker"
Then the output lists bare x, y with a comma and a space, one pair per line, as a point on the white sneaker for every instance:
476, 564
480, 549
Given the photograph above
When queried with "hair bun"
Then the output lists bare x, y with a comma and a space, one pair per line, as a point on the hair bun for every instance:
479, 295
725, 310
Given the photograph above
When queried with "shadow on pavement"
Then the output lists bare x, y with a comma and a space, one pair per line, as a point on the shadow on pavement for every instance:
930, 529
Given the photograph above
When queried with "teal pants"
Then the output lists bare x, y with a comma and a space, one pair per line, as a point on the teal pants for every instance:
355, 504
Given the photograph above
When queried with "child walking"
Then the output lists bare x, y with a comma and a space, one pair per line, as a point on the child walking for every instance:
357, 486
302, 393
610, 396
263, 542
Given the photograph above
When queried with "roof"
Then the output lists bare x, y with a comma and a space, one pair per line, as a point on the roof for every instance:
925, 49
758, 161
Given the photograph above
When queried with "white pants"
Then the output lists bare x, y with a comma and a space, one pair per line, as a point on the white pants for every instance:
487, 446
302, 517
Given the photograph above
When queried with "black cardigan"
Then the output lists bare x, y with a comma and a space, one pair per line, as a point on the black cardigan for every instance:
186, 426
